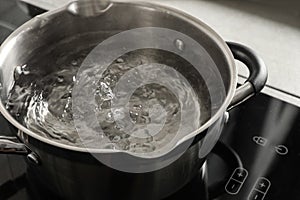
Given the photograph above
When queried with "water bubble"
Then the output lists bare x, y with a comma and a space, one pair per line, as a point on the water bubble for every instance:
66, 95
74, 62
109, 117
138, 106
179, 44
60, 79
18, 70
132, 146
134, 115
108, 80
109, 96
96, 109
114, 78
97, 92
118, 114
106, 104
120, 60
116, 138
24, 71
105, 88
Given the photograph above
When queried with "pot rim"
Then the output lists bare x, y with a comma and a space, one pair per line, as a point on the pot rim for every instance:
178, 13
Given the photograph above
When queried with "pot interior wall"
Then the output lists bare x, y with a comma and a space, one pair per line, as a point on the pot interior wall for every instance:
49, 29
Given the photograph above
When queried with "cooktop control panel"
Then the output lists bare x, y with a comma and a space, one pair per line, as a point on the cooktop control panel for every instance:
264, 131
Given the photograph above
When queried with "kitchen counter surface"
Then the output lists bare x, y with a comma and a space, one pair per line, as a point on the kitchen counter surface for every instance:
271, 28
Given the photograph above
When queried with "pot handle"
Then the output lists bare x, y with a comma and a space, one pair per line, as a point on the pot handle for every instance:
12, 145
258, 73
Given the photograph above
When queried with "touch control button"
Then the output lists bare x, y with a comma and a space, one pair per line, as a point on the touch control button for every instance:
233, 186
236, 181
281, 150
260, 189
240, 174
260, 140
256, 195
262, 185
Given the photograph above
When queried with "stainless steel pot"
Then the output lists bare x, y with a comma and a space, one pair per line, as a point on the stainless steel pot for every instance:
72, 172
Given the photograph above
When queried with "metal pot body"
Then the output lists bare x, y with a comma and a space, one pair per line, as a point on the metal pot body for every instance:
72, 172
78, 175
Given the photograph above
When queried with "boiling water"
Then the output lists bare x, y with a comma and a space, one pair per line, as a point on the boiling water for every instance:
44, 105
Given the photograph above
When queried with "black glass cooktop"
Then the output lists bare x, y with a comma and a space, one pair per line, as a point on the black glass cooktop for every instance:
264, 133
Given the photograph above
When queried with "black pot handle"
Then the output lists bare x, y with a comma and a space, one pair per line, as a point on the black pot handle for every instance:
258, 73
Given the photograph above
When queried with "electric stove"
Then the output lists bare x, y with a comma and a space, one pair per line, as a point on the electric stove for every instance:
261, 135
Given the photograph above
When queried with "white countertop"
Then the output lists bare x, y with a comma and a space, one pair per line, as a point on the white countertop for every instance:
272, 29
